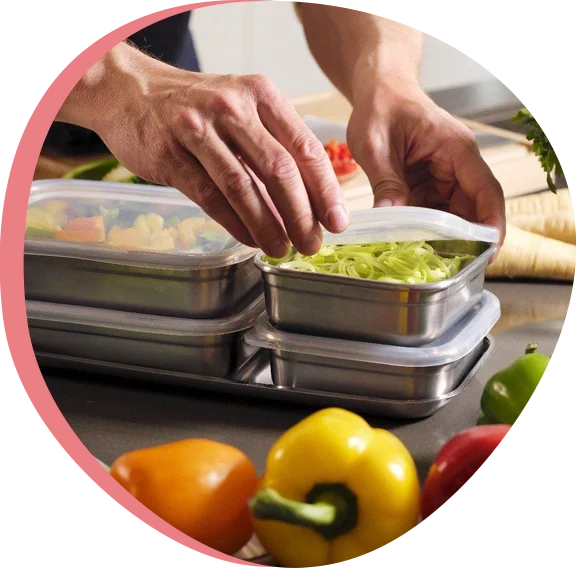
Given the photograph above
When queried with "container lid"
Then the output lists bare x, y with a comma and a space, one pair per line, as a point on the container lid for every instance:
408, 224
128, 224
455, 344
45, 313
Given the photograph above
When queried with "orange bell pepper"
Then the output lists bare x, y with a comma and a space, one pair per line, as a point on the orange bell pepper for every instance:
199, 486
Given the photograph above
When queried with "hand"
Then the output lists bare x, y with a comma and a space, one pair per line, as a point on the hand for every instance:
232, 144
415, 153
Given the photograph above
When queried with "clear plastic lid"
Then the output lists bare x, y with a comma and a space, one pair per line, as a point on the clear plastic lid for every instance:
129, 224
455, 344
153, 325
408, 224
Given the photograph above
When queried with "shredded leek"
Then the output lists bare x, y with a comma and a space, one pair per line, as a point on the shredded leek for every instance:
394, 262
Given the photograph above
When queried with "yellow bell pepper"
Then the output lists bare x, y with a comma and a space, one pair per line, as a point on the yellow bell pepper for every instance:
334, 489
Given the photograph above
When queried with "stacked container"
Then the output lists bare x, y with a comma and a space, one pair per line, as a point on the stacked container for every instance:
135, 280
408, 344
136, 275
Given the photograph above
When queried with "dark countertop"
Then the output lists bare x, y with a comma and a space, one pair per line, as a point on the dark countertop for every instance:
112, 416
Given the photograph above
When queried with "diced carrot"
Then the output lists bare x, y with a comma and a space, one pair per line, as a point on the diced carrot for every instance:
83, 230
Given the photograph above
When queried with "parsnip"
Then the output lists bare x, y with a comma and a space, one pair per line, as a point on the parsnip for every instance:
528, 255
557, 225
541, 203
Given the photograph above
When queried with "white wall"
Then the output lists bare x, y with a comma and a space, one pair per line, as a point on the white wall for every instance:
267, 38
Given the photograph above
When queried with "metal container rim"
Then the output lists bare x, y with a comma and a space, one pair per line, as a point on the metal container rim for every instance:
461, 276
97, 318
456, 343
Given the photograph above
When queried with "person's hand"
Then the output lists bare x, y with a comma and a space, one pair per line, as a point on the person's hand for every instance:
232, 144
415, 153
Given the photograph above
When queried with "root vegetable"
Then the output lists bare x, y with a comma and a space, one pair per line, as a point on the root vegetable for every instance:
529, 255
558, 225
541, 204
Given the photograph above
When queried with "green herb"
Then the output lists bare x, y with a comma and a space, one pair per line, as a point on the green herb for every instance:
541, 146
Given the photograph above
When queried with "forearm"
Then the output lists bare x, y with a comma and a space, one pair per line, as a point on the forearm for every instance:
352, 48
103, 92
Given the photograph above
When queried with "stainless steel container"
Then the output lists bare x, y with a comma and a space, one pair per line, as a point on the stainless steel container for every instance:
380, 371
185, 282
376, 311
253, 380
211, 347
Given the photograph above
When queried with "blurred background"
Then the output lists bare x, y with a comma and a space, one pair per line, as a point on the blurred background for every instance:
266, 37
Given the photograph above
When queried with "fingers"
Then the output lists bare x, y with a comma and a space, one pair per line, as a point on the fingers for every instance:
480, 185
385, 171
240, 191
190, 178
279, 173
324, 191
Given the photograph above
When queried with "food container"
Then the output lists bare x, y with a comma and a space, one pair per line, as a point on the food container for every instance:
253, 380
383, 312
181, 265
211, 347
369, 369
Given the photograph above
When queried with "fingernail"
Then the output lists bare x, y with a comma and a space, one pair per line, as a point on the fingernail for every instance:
311, 244
385, 202
338, 218
279, 248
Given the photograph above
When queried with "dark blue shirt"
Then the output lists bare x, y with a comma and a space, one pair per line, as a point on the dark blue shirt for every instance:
169, 40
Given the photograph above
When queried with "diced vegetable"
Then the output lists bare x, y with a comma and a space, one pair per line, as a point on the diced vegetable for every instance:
83, 230
128, 238
394, 262
156, 222
162, 240
40, 223
141, 224
342, 161
201, 487
125, 224
334, 489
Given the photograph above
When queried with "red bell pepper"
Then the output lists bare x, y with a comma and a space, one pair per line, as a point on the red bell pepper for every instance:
491, 477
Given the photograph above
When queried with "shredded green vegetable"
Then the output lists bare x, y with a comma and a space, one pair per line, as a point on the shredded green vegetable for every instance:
396, 262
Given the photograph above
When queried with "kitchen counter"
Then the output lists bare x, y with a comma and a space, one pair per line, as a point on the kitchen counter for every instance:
112, 416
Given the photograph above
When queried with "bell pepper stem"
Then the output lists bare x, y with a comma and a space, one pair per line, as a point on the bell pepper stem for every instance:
269, 504
531, 348
330, 509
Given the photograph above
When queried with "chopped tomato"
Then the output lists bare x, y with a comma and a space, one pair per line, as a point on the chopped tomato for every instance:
342, 160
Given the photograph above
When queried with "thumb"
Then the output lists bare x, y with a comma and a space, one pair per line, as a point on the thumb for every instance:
389, 186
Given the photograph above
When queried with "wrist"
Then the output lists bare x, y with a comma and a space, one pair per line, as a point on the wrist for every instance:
107, 89
381, 72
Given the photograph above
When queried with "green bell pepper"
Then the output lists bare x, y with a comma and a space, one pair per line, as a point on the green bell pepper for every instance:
554, 407
536, 393
507, 392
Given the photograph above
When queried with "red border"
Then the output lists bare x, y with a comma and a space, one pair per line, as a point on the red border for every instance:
51, 517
